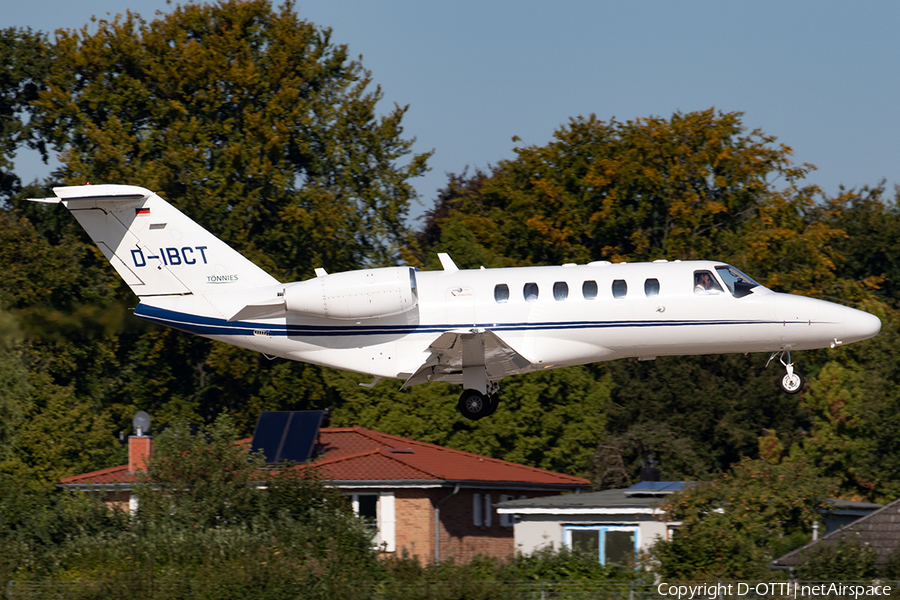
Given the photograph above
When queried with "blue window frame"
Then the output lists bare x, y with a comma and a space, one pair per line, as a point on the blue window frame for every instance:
610, 543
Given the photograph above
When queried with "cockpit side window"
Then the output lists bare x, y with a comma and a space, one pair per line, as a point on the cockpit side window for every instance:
738, 284
706, 284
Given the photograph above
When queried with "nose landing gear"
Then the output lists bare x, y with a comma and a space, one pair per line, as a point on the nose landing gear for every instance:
792, 382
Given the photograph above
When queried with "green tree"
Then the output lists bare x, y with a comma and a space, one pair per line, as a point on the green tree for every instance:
204, 478
551, 420
645, 189
733, 526
250, 120
695, 185
853, 405
64, 435
24, 59
14, 389
871, 220
847, 559
253, 122
697, 415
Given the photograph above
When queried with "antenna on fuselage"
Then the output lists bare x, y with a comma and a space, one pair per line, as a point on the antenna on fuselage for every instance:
447, 262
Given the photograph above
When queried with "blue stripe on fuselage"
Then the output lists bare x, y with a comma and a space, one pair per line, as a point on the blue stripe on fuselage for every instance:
213, 326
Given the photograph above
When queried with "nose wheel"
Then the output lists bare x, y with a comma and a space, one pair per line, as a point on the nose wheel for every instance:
792, 382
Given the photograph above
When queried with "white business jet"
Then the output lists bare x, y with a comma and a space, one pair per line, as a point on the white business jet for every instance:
469, 327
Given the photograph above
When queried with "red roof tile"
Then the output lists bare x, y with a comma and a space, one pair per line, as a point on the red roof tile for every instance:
437, 461
111, 475
359, 454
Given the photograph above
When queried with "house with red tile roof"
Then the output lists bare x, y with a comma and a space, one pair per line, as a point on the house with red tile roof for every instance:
434, 502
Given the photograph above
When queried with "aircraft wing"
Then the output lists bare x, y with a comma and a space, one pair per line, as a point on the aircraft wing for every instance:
453, 350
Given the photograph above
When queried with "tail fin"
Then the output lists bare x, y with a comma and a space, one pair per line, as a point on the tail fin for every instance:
153, 246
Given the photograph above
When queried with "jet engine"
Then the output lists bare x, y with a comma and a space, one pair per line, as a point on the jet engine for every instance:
355, 294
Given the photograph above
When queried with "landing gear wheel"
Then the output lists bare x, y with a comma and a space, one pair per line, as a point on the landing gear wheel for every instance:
494, 400
791, 382
474, 405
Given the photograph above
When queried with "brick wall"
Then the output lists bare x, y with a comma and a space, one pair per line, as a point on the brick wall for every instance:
461, 539
415, 522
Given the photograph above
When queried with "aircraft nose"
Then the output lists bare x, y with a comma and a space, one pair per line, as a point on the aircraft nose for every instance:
860, 325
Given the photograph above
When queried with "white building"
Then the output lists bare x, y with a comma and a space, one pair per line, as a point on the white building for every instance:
614, 524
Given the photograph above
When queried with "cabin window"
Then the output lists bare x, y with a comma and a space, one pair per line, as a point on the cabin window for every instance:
501, 293
589, 290
560, 290
530, 291
651, 287
619, 288
705, 284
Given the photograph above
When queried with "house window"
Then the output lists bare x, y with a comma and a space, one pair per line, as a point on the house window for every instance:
506, 520
560, 290
589, 290
481, 510
501, 292
609, 543
377, 510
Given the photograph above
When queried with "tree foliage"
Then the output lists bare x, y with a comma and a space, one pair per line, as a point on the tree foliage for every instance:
679, 188
253, 122
250, 120
551, 420
848, 559
732, 526
261, 127
24, 59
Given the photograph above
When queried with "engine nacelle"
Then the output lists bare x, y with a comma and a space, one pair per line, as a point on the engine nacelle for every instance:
355, 294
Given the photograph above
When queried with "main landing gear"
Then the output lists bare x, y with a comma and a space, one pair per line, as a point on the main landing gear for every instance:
474, 405
792, 382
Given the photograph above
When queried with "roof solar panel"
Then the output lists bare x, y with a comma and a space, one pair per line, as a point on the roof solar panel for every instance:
287, 435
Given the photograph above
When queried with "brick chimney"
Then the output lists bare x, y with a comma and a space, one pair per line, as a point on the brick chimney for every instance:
140, 450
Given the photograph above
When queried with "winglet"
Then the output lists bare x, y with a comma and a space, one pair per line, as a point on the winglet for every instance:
447, 262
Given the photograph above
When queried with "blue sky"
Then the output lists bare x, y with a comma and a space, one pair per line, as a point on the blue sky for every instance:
821, 76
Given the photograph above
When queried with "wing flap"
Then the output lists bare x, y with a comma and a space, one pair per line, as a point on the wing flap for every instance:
453, 350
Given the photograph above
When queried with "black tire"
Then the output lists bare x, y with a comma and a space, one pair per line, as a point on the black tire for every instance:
791, 385
474, 405
494, 400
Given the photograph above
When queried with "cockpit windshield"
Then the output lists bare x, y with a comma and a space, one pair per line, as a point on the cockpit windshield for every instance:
738, 284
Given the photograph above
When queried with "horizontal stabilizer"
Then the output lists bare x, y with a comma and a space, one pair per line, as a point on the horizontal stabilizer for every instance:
109, 193
264, 310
